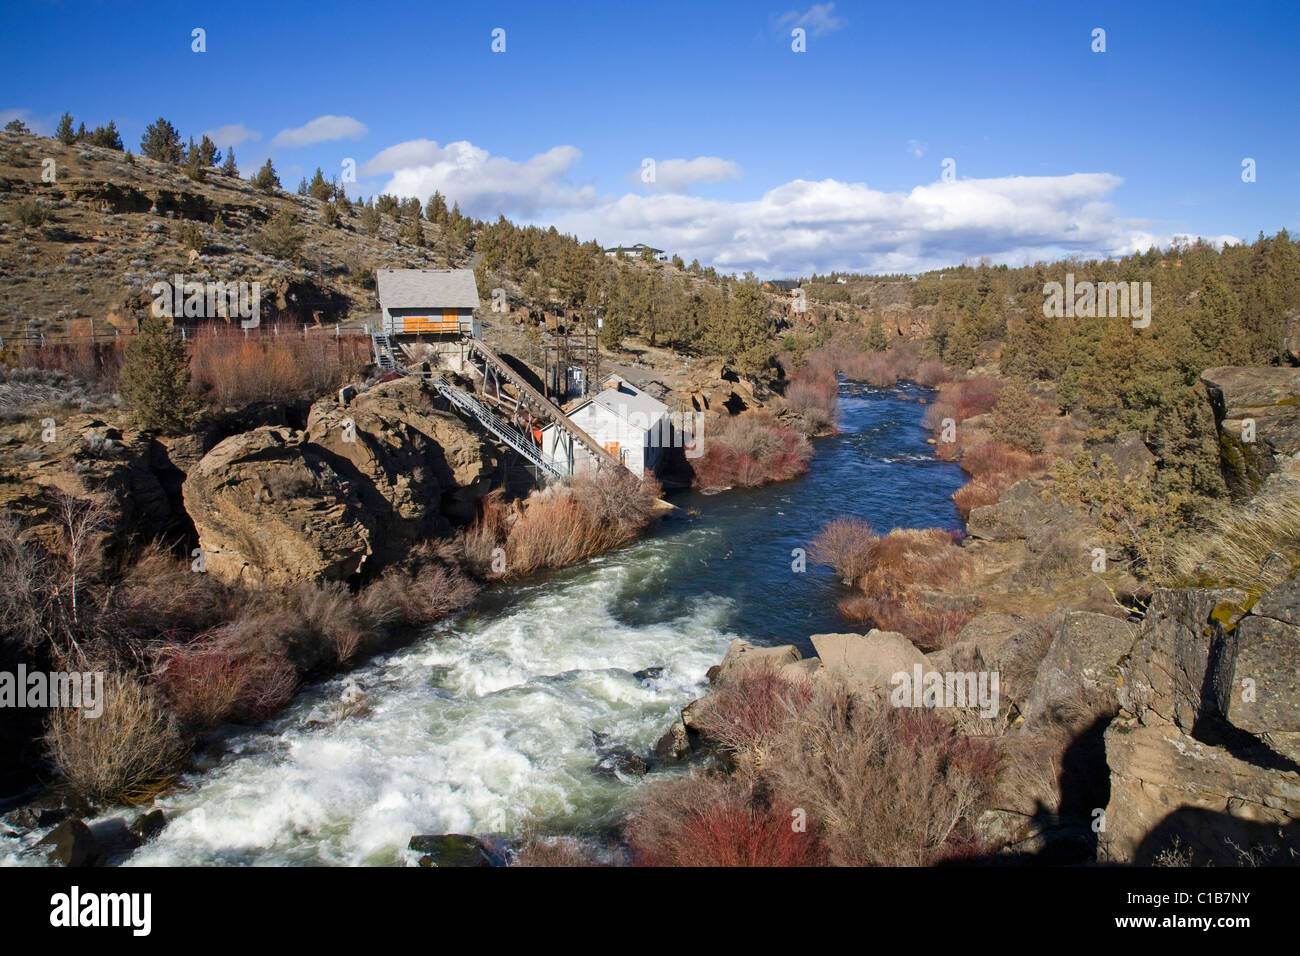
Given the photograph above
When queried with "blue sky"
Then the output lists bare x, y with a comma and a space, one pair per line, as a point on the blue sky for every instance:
766, 159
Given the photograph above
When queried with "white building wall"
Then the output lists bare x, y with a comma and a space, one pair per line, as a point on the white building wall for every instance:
603, 426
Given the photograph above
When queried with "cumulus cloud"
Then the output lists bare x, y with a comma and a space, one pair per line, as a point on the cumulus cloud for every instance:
322, 129
797, 227
484, 185
232, 134
677, 175
818, 19
802, 226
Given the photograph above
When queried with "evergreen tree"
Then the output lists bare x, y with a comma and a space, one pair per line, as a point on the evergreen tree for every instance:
1017, 419
319, 187
162, 142
265, 178
194, 163
155, 378
370, 218
16, 126
877, 341
64, 132
280, 237
228, 168
209, 155
107, 137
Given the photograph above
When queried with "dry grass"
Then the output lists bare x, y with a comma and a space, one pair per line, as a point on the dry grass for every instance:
1234, 549
555, 852
565, 524
125, 755
230, 369
994, 468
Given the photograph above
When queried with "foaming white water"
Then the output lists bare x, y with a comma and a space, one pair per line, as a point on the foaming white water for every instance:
485, 726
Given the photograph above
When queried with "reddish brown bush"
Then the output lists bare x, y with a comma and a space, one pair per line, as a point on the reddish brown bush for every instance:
814, 397
972, 495
231, 369
713, 821
930, 628
886, 786
416, 597
750, 450
844, 545
747, 710
238, 671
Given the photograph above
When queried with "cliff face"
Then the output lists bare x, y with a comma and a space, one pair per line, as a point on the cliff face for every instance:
355, 489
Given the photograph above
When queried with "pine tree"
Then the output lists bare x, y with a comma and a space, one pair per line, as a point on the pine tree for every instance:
64, 132
228, 168
319, 187
209, 155
265, 178
161, 141
194, 163
155, 378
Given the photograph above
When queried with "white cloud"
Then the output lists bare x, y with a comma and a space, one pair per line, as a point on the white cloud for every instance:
483, 184
802, 227
794, 228
677, 175
320, 130
232, 134
817, 19
916, 148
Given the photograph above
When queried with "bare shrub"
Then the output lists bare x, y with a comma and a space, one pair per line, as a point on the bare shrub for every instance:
885, 786
714, 820
127, 754
747, 712
844, 545
750, 450
972, 495
560, 851
813, 395
417, 597
236, 672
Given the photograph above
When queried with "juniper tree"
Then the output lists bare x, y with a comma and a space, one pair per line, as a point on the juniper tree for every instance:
265, 178
280, 237
319, 187
161, 141
64, 132
155, 378
1016, 418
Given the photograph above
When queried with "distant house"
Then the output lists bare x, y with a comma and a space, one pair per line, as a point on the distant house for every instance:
427, 301
781, 285
631, 425
634, 252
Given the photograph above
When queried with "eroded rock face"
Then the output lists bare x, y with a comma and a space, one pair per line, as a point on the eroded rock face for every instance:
742, 656
1078, 678
356, 489
271, 508
1184, 765
1022, 513
1164, 785
1266, 399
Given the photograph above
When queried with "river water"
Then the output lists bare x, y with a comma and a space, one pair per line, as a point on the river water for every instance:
489, 723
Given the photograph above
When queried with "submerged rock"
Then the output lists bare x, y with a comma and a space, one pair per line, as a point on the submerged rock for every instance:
451, 849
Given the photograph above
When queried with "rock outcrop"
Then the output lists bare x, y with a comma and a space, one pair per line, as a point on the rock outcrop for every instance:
1191, 755
1257, 409
354, 490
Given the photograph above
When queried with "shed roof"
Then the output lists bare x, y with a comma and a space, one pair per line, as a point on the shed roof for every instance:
625, 400
427, 288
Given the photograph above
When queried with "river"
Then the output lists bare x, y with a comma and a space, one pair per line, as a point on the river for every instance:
488, 723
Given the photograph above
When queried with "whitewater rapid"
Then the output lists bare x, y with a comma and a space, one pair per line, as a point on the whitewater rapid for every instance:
484, 726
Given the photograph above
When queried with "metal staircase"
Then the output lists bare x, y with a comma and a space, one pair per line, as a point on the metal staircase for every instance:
498, 426
384, 355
